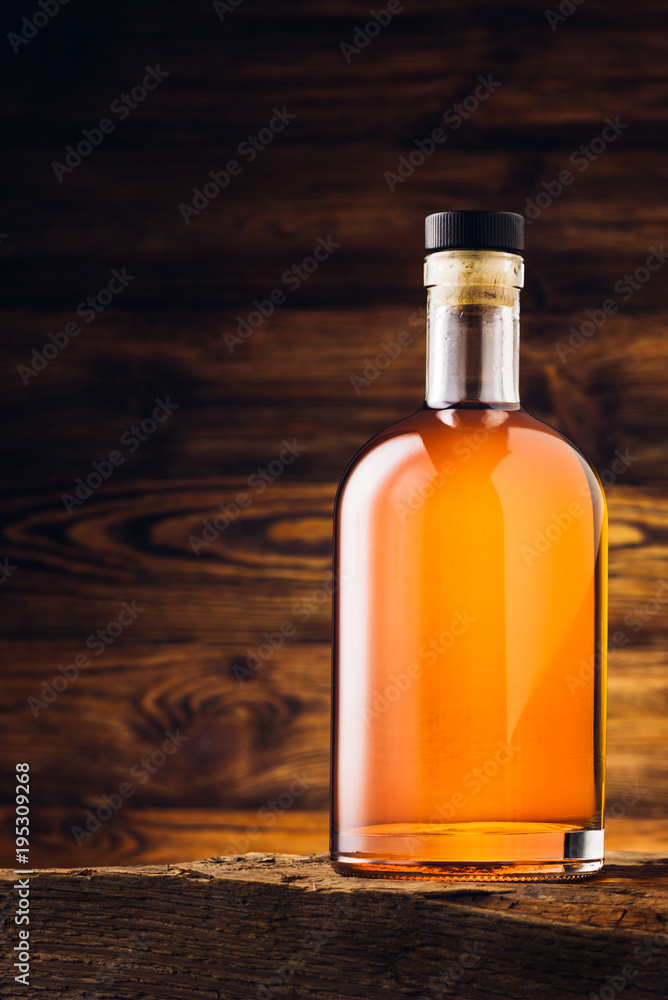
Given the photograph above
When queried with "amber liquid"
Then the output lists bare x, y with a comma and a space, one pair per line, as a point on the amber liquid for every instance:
468, 720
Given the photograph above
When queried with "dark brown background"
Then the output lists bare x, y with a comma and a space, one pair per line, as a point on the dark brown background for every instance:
173, 668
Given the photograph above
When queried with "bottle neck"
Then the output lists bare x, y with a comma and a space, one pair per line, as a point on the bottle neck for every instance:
473, 328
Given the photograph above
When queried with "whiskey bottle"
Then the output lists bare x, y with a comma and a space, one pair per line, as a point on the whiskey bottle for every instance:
468, 718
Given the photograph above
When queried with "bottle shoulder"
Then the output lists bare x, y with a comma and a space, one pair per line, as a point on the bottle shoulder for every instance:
567, 450
498, 444
383, 441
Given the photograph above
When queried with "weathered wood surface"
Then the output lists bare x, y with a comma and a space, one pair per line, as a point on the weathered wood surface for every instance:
266, 925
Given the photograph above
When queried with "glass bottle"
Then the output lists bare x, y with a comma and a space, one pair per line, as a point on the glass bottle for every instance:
468, 720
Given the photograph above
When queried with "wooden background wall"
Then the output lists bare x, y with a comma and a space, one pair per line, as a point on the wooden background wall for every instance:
162, 337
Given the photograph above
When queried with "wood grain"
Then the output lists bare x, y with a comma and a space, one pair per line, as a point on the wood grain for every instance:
270, 924
173, 669
324, 173
267, 567
244, 742
291, 380
575, 252
161, 835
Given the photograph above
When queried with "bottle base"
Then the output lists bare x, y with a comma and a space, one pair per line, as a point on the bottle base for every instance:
540, 871
469, 852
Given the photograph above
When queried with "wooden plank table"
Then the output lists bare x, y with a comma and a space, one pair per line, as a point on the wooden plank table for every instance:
268, 925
